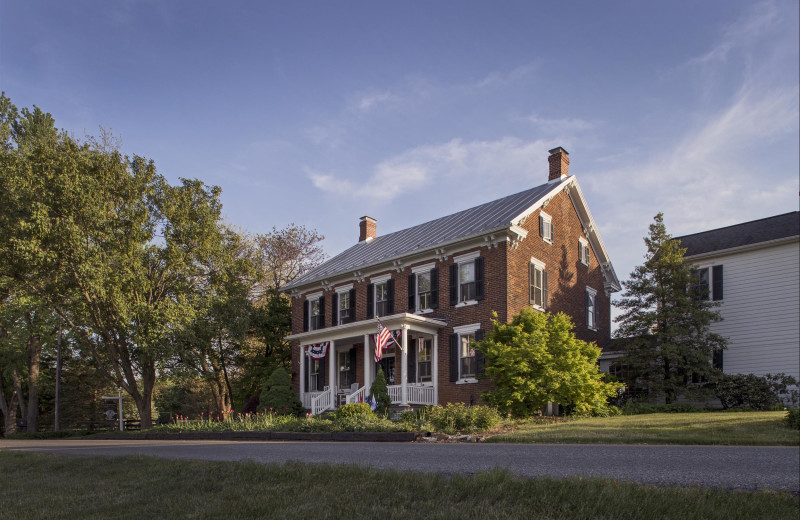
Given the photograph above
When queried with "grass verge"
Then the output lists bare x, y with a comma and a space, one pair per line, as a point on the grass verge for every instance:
53, 487
733, 428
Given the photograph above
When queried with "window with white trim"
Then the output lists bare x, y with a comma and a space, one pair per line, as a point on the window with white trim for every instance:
546, 227
584, 251
381, 298
538, 284
592, 309
344, 306
423, 291
314, 375
464, 362
467, 369
344, 368
466, 281
707, 284
314, 315
424, 361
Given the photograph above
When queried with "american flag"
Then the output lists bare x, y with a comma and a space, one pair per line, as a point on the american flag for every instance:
381, 340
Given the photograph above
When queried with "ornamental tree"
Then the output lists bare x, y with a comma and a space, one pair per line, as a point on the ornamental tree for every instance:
665, 322
279, 396
536, 359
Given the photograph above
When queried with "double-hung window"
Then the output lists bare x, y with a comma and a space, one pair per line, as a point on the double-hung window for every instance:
344, 369
537, 278
546, 227
423, 288
314, 312
466, 279
584, 252
707, 283
380, 296
315, 375
424, 360
344, 310
344, 307
592, 309
466, 363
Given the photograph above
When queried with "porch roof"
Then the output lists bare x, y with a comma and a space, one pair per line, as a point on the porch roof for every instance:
359, 328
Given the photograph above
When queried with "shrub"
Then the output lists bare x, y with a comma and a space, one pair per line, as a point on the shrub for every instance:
379, 391
353, 410
792, 418
458, 417
785, 389
738, 390
278, 395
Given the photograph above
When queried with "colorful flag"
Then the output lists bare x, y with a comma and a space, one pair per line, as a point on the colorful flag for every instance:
381, 339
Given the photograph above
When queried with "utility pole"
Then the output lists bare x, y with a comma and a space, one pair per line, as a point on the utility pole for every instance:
57, 419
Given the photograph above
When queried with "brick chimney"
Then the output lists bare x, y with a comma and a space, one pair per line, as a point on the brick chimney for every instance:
366, 228
559, 164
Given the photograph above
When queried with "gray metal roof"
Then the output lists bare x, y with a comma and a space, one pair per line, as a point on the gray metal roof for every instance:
470, 222
745, 234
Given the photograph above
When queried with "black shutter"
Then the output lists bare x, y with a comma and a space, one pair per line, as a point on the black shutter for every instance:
305, 316
352, 371
545, 291
322, 312
479, 359
352, 317
370, 301
412, 361
541, 226
453, 358
453, 284
531, 281
479, 292
717, 360
717, 274
321, 373
588, 303
412, 292
390, 301
334, 309
434, 288
552, 230
596, 312
308, 362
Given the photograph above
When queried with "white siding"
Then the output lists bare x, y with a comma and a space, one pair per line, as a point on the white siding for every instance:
761, 310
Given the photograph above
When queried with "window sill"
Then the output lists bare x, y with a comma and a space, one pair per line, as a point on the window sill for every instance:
548, 241
538, 308
467, 381
466, 303
424, 311
593, 329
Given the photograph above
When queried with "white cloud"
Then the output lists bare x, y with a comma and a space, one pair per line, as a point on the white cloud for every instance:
499, 162
556, 125
368, 101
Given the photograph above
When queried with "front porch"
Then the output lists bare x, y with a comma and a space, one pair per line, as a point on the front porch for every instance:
346, 370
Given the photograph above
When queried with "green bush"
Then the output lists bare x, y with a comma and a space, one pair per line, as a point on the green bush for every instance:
353, 410
792, 418
379, 391
460, 418
632, 408
278, 395
752, 391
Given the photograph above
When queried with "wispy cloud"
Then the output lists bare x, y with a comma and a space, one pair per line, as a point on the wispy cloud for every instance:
499, 162
559, 125
367, 101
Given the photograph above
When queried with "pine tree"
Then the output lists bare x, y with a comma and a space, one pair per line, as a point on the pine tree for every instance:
279, 396
665, 323
380, 393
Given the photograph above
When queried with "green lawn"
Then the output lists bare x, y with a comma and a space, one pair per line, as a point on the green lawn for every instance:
46, 486
730, 428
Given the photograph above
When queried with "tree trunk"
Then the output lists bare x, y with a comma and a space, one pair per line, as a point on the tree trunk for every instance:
34, 351
9, 410
145, 403
18, 391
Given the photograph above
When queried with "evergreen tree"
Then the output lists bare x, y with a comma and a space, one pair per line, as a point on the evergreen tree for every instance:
381, 394
665, 323
279, 396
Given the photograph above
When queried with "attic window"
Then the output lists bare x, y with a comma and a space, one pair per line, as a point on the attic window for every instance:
546, 227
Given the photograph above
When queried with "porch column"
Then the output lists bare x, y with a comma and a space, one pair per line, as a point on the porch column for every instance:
302, 359
332, 371
367, 363
404, 380
435, 371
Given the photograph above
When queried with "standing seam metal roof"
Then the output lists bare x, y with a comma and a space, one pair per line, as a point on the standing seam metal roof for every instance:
470, 222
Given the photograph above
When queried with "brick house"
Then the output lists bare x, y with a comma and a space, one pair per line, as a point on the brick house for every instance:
436, 286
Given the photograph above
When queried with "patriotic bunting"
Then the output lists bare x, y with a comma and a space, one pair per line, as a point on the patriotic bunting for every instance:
318, 350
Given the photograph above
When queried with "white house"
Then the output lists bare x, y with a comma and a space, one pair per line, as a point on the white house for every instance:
753, 270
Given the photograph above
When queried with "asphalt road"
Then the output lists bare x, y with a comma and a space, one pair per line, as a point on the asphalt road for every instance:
729, 467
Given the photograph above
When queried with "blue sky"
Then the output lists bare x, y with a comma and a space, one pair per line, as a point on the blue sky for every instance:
321, 112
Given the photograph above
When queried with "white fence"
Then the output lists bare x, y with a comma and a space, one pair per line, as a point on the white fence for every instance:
324, 401
415, 394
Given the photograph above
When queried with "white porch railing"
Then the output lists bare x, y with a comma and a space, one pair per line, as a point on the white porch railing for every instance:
420, 395
358, 396
415, 394
324, 401
308, 397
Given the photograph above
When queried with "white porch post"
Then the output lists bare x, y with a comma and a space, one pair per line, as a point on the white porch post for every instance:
302, 361
404, 380
435, 372
367, 363
332, 372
